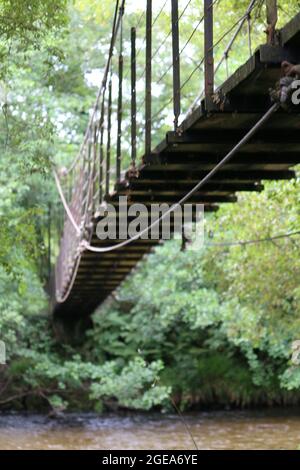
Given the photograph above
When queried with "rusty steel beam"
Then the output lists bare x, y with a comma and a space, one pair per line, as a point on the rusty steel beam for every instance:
208, 53
176, 62
148, 98
133, 96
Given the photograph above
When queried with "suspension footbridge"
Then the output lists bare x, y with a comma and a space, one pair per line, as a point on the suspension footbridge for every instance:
203, 146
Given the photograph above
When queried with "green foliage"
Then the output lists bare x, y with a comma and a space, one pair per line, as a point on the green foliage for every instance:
290, 379
45, 99
27, 24
30, 18
222, 320
208, 328
130, 386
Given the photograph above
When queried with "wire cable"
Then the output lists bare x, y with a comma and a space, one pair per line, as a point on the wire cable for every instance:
240, 24
254, 241
116, 23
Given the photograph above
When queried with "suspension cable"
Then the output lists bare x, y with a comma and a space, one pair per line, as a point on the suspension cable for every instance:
254, 241
198, 66
170, 31
240, 24
64, 203
242, 18
116, 23
182, 50
137, 26
165, 38
181, 88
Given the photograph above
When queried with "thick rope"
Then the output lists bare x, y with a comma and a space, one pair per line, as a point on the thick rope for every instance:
86, 245
62, 299
199, 185
65, 204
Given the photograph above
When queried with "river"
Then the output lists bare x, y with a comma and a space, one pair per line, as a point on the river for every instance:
278, 429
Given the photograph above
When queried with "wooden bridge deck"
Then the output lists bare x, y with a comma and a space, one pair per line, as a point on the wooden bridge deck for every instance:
178, 163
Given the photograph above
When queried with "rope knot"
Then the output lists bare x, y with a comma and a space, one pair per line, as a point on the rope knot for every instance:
283, 92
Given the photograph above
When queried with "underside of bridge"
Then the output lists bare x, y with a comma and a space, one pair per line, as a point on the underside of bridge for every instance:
184, 157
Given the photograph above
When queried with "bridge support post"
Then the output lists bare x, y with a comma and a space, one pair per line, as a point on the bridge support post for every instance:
208, 54
101, 152
148, 111
176, 62
120, 102
108, 148
49, 251
272, 18
133, 96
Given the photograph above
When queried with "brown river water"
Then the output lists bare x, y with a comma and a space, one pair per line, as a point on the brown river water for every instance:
278, 429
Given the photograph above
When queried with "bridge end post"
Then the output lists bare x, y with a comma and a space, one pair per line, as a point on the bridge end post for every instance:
176, 62
148, 98
120, 102
133, 96
108, 144
272, 18
208, 54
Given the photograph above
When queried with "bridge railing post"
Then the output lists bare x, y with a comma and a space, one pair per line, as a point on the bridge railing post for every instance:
49, 247
101, 151
176, 62
208, 53
148, 97
108, 146
133, 96
120, 101
87, 174
94, 170
272, 18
